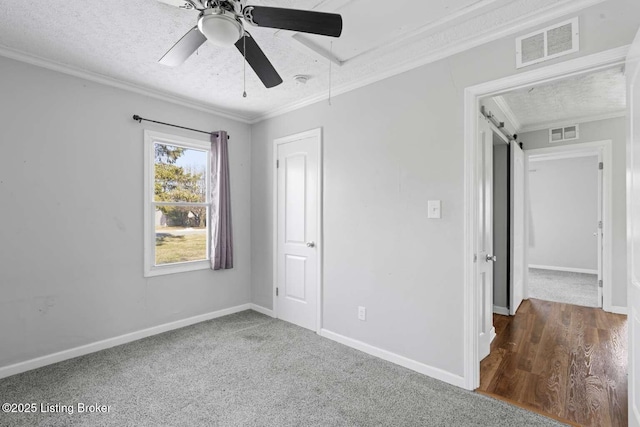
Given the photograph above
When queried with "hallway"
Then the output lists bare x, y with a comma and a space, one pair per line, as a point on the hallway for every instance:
560, 359
565, 287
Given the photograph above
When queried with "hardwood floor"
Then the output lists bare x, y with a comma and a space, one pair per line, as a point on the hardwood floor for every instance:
561, 359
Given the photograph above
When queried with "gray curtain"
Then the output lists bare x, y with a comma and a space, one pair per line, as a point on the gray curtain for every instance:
220, 212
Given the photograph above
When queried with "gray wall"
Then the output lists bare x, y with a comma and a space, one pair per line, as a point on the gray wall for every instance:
71, 222
563, 197
388, 148
500, 222
614, 130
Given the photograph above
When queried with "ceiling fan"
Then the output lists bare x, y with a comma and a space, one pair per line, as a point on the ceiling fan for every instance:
220, 22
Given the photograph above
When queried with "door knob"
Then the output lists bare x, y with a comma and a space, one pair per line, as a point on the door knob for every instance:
491, 258
311, 244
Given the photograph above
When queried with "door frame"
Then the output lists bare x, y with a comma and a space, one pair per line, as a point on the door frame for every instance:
603, 150
317, 133
512, 225
472, 97
633, 278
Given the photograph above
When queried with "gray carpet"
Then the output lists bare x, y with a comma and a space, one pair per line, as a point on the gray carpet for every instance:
247, 369
562, 286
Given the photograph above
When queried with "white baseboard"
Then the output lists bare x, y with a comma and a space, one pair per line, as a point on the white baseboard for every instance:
261, 309
49, 359
568, 269
501, 310
430, 371
616, 309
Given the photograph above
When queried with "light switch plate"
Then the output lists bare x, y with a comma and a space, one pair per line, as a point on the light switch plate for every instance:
434, 208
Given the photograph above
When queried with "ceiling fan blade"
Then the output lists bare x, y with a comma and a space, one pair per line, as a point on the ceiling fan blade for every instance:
258, 61
325, 24
184, 48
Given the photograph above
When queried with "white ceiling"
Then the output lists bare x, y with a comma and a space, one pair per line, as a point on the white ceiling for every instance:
122, 40
577, 99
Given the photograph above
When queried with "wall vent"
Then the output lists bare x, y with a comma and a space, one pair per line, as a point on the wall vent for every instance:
548, 43
566, 133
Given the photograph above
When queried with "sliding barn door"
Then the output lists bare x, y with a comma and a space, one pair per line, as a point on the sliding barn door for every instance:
516, 212
633, 233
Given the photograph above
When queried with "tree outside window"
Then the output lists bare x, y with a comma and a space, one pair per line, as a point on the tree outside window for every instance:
181, 203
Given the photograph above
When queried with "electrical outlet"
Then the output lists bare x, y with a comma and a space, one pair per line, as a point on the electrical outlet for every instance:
362, 313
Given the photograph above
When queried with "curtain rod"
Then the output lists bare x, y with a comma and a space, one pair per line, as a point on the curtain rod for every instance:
139, 119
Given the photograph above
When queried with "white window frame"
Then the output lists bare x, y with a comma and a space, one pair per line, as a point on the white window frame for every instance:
150, 138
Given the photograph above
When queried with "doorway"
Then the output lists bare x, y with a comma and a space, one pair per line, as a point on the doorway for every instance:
569, 221
527, 367
297, 199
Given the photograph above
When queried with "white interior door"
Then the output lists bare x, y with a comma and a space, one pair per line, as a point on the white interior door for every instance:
485, 257
516, 281
297, 234
633, 232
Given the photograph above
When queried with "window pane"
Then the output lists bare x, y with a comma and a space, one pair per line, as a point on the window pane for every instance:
179, 174
181, 234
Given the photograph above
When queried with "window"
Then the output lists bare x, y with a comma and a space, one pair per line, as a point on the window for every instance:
176, 204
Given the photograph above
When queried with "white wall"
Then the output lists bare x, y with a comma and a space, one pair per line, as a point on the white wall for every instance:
614, 130
388, 148
71, 221
563, 197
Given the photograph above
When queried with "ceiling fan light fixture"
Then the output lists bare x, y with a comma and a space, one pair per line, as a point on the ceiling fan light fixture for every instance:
220, 27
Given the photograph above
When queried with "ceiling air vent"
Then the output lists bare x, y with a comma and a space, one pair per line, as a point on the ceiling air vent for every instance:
548, 43
566, 133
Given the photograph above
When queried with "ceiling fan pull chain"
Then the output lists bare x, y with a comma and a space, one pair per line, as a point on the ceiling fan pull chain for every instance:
244, 65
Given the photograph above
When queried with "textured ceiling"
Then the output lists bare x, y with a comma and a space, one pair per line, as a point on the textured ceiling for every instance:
573, 99
123, 40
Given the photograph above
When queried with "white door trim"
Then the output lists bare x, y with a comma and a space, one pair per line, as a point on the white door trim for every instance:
603, 150
633, 278
472, 96
320, 240
517, 228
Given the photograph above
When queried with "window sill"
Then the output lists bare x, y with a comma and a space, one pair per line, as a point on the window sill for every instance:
182, 267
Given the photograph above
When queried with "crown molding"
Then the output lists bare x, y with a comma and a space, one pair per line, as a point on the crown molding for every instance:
518, 25
503, 106
572, 121
474, 10
458, 16
526, 21
113, 82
